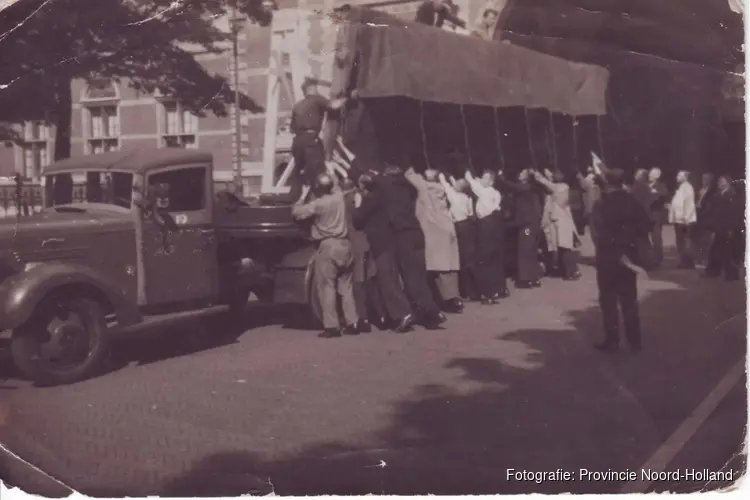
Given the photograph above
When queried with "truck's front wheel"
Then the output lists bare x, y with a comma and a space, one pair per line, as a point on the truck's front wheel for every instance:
65, 341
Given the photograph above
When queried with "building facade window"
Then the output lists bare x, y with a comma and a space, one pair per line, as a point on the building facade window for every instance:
101, 117
35, 149
180, 127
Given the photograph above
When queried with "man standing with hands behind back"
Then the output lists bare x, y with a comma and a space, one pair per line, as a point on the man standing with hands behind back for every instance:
620, 221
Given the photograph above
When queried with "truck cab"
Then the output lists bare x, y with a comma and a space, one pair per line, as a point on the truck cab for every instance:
126, 236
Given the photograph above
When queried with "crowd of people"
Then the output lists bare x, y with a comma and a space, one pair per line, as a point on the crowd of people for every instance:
402, 248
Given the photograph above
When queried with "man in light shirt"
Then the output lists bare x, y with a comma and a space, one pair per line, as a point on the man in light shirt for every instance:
683, 215
490, 237
333, 263
462, 212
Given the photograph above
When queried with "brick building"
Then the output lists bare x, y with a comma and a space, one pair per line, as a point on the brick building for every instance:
109, 116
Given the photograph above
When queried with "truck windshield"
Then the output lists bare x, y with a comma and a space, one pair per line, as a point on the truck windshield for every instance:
113, 188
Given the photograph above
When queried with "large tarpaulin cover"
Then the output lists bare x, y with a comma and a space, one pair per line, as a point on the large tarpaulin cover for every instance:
390, 57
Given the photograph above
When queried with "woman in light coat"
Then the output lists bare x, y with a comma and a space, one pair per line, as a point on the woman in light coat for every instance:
441, 244
557, 223
683, 215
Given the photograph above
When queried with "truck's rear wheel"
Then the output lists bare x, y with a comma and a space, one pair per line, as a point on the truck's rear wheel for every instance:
65, 341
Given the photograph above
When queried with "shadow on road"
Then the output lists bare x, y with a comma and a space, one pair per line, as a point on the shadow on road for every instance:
547, 401
558, 404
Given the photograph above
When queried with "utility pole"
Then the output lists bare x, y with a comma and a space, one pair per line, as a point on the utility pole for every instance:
236, 25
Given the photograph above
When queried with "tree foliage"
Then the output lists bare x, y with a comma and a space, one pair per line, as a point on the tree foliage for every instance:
46, 44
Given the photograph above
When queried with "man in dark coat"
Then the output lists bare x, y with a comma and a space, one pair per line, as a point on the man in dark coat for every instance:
307, 148
364, 285
371, 217
399, 199
727, 223
703, 234
528, 212
619, 221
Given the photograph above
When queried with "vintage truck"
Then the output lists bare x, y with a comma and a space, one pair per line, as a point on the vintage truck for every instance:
150, 239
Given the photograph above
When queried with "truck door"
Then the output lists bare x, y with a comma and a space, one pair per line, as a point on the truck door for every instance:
179, 257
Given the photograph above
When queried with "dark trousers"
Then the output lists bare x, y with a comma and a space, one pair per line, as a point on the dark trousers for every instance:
721, 255
410, 248
684, 245
618, 287
491, 254
466, 234
368, 299
528, 253
309, 161
388, 278
568, 262
702, 237
657, 243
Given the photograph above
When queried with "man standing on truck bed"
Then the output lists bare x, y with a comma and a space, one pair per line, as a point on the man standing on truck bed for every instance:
307, 148
333, 263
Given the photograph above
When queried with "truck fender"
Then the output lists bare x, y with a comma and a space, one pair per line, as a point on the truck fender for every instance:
21, 293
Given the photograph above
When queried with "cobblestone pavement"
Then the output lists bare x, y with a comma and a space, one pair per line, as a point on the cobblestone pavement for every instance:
514, 386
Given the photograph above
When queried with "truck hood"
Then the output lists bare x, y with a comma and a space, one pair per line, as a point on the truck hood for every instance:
59, 233
67, 219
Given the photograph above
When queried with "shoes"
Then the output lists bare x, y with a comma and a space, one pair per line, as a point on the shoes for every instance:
454, 306
330, 333
488, 301
524, 284
434, 320
536, 284
573, 277
607, 346
350, 330
406, 324
363, 326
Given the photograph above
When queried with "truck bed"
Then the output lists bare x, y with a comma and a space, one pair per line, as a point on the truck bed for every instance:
265, 218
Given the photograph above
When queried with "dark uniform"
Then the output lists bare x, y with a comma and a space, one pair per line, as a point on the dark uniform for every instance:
726, 220
620, 221
371, 218
434, 13
307, 148
366, 292
528, 213
399, 200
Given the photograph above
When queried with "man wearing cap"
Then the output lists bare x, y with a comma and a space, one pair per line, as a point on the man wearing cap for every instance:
333, 263
306, 124
436, 12
620, 221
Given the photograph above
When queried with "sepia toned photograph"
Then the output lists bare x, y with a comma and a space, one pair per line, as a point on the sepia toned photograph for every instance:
372, 247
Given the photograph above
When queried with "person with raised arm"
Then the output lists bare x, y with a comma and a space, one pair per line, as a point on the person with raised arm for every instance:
399, 199
333, 261
461, 208
558, 221
441, 245
371, 217
490, 237
306, 124
529, 219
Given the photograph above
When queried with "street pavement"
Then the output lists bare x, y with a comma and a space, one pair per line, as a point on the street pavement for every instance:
513, 386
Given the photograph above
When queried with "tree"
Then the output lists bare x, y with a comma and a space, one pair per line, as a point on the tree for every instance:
46, 44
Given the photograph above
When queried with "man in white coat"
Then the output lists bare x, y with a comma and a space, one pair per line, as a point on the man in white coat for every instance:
682, 214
